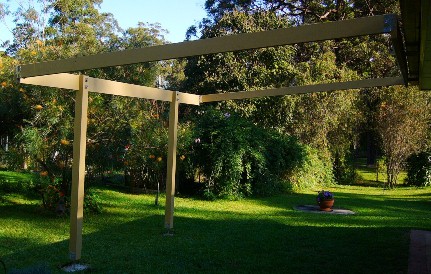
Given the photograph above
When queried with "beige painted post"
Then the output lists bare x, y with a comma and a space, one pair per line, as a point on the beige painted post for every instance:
172, 162
78, 169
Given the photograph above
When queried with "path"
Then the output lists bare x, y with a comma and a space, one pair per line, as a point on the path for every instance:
420, 252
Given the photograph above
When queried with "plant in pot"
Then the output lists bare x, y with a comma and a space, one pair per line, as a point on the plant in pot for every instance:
325, 200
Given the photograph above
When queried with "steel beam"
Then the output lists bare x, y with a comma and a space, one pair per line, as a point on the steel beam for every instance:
71, 81
60, 80
379, 82
129, 90
278, 37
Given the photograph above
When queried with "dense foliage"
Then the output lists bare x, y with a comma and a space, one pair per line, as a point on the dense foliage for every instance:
419, 169
403, 123
238, 159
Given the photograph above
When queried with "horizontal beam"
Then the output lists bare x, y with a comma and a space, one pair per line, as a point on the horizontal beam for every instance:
278, 37
379, 82
129, 90
188, 98
71, 81
61, 80
136, 91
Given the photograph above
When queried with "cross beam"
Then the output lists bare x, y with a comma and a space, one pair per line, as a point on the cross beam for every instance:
278, 37
367, 83
71, 81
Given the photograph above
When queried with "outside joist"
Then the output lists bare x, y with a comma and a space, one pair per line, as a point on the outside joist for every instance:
71, 81
60, 80
379, 82
286, 36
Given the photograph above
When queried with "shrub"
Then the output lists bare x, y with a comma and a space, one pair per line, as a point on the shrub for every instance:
344, 169
13, 159
238, 159
55, 200
419, 169
315, 172
92, 201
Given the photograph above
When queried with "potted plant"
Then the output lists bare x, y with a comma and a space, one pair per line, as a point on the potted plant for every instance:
325, 200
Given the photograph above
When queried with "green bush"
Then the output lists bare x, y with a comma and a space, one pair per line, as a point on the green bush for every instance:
344, 169
238, 159
315, 172
57, 201
12, 159
419, 169
92, 201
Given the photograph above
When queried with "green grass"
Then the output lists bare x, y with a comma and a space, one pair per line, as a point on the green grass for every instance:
11, 181
368, 176
264, 235
16, 177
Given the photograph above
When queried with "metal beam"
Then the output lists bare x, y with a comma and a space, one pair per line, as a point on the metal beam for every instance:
60, 80
390, 81
71, 81
278, 37
129, 90
78, 170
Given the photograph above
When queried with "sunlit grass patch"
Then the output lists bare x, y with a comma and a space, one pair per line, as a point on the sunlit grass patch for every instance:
222, 236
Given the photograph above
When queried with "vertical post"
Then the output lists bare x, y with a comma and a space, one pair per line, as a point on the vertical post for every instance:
78, 169
172, 162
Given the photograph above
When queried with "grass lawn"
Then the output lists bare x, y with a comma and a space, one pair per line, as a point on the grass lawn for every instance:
368, 176
261, 235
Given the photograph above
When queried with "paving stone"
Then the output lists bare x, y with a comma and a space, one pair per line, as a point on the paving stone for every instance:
316, 209
420, 252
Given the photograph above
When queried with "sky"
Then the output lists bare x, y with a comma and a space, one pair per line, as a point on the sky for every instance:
176, 16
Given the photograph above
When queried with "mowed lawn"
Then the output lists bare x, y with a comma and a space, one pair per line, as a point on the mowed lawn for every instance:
259, 235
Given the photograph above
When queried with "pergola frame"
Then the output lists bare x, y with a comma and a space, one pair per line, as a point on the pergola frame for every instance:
52, 74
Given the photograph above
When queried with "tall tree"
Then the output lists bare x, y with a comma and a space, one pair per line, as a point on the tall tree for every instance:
274, 67
328, 121
403, 125
73, 28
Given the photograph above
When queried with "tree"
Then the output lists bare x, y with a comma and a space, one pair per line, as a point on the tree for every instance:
339, 115
325, 120
403, 125
63, 29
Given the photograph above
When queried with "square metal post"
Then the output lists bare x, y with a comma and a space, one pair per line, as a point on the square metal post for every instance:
172, 162
78, 169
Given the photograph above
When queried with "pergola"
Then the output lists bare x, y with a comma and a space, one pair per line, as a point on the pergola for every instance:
54, 74
416, 19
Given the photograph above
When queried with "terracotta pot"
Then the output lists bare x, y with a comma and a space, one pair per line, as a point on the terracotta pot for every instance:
326, 205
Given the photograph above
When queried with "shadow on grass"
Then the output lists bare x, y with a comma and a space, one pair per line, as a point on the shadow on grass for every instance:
226, 246
269, 237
